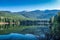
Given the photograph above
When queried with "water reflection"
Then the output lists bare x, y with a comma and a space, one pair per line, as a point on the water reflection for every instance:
26, 32
15, 36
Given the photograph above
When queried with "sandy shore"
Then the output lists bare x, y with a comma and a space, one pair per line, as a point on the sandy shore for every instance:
3, 23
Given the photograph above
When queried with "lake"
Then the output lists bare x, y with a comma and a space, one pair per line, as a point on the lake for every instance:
24, 32
31, 33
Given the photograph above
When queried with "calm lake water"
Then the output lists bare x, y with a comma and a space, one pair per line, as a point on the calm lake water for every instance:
16, 36
18, 32
39, 34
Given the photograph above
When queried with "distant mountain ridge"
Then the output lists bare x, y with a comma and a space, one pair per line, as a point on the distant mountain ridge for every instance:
39, 14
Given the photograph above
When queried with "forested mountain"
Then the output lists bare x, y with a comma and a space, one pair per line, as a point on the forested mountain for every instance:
10, 15
39, 14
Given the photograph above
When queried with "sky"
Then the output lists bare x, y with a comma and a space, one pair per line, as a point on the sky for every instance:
29, 5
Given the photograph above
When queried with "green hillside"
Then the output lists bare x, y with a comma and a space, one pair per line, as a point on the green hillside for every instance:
11, 15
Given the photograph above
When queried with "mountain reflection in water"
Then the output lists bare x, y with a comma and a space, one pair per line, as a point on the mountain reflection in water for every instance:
33, 32
15, 36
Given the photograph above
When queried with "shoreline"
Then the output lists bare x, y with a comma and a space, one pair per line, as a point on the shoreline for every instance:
4, 23
1, 23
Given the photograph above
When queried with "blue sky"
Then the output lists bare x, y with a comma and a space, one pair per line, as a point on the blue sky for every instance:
29, 5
